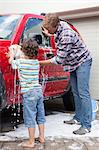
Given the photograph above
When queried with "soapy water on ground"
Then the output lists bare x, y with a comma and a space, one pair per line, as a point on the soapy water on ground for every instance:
54, 128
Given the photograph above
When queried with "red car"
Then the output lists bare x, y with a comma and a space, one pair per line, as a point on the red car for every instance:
13, 29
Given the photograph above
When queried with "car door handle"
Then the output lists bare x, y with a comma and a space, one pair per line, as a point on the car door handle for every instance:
49, 55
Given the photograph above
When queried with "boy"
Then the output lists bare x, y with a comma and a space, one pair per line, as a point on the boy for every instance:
28, 68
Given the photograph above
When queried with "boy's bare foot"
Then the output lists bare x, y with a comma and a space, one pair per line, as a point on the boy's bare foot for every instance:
27, 144
40, 139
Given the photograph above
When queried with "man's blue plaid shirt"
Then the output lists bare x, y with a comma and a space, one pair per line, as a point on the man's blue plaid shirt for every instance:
71, 49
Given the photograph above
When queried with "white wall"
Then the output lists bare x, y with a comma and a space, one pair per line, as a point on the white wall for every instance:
89, 30
39, 6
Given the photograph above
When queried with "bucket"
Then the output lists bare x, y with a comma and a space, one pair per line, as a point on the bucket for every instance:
94, 109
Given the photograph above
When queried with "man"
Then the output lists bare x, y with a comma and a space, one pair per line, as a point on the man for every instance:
73, 54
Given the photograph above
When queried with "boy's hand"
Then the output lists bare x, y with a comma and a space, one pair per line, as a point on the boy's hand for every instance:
7, 54
10, 58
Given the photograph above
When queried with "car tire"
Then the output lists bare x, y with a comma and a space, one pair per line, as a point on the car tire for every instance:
68, 100
2, 92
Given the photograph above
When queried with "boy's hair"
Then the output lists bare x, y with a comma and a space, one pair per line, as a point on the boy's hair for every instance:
30, 47
51, 20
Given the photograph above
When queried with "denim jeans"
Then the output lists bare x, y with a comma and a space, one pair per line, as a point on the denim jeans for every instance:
33, 107
80, 88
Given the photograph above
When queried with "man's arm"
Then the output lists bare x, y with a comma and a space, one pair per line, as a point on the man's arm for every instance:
66, 39
45, 62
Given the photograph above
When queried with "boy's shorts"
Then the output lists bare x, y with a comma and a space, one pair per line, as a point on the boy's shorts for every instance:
33, 107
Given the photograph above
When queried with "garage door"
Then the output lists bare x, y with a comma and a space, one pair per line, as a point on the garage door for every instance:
89, 29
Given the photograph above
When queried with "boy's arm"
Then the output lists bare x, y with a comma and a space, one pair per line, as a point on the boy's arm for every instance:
10, 56
12, 61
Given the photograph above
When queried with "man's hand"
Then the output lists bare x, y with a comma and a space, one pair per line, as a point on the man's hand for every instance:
45, 62
45, 31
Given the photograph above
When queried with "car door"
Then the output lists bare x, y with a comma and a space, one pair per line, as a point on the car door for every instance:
57, 78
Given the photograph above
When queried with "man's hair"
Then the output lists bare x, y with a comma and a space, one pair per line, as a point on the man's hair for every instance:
30, 47
50, 20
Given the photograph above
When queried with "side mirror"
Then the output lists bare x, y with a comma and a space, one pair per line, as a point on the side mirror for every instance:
37, 37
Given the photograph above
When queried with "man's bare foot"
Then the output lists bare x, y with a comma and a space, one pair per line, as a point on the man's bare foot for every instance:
27, 144
40, 139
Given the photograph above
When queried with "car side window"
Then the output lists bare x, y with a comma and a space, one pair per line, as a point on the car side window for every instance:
32, 29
